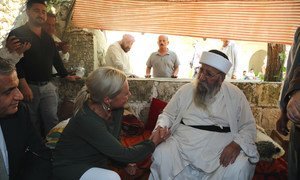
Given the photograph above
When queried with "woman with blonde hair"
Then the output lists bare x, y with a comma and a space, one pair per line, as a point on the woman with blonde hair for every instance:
91, 138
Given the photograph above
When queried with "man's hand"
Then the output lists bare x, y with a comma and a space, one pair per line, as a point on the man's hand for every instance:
159, 134
229, 154
293, 108
131, 169
24, 47
64, 46
281, 124
12, 43
72, 78
164, 133
132, 76
25, 90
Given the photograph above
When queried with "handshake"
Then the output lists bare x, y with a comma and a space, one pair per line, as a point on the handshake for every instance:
159, 135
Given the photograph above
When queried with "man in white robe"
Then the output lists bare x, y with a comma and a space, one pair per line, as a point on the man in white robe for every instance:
117, 55
213, 129
230, 49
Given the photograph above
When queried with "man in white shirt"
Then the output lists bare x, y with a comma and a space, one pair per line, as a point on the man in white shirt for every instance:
229, 48
117, 55
62, 47
213, 129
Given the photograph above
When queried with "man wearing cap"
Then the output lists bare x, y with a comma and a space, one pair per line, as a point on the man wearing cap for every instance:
213, 129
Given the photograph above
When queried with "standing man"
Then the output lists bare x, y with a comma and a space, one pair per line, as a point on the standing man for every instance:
165, 63
117, 55
62, 47
229, 48
213, 129
290, 108
35, 68
22, 154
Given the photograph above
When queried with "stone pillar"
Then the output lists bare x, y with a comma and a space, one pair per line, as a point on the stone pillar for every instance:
82, 49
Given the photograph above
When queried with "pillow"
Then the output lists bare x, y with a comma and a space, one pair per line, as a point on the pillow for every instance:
55, 133
131, 125
156, 107
267, 148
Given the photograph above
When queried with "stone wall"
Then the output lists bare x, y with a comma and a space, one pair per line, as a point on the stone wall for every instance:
81, 51
262, 96
9, 11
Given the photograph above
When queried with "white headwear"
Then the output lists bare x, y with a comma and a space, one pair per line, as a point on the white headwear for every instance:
216, 61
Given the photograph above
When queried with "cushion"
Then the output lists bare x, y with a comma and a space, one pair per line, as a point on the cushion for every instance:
131, 125
55, 133
267, 148
156, 107
277, 169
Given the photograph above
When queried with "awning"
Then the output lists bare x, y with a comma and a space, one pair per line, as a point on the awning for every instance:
252, 20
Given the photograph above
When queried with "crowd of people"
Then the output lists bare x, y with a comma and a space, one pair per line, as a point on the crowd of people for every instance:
206, 131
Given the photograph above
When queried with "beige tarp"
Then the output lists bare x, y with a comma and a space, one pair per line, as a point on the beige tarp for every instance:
252, 20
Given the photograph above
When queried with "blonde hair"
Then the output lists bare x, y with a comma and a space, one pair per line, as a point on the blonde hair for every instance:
103, 82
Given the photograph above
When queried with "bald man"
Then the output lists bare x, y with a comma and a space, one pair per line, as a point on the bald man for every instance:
117, 54
165, 63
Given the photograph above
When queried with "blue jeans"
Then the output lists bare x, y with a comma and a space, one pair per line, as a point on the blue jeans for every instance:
43, 107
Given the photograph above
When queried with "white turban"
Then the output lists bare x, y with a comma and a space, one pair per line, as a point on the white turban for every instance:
216, 61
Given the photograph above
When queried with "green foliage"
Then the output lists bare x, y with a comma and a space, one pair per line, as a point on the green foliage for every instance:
53, 4
282, 57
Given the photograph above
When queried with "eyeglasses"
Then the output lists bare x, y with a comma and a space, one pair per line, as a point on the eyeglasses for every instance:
207, 73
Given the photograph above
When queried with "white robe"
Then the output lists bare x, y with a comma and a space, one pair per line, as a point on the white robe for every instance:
231, 51
201, 149
116, 57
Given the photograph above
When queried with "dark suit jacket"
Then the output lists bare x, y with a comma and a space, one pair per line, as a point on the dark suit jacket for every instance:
22, 143
293, 79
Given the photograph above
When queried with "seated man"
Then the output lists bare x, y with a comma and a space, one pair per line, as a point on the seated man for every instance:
22, 154
213, 129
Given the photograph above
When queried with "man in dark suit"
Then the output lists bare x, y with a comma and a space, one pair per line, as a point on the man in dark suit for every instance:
290, 109
23, 154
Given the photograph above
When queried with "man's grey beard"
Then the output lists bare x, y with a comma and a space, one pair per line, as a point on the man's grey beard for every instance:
204, 93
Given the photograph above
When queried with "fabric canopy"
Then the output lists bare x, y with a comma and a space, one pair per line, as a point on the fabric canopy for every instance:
252, 20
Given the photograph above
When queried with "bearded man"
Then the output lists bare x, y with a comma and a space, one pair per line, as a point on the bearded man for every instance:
213, 129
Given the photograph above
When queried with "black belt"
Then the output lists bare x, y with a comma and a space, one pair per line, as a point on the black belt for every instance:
210, 128
38, 83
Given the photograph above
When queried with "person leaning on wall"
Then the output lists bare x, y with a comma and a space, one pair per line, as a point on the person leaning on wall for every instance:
164, 62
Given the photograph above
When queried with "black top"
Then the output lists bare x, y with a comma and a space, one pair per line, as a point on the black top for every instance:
36, 65
21, 141
90, 141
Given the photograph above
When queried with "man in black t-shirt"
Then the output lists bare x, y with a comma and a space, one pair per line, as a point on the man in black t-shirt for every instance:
35, 68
